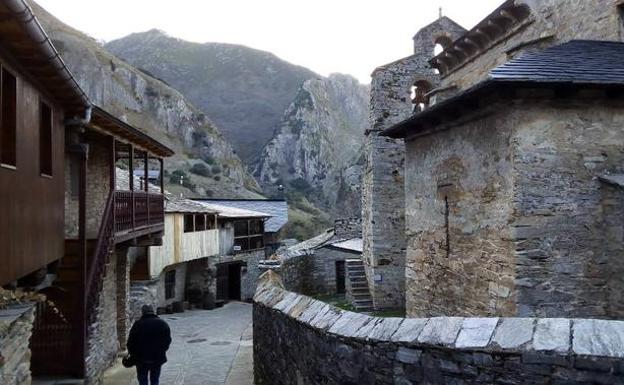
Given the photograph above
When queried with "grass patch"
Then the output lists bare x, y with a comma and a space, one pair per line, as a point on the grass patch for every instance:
335, 300
389, 313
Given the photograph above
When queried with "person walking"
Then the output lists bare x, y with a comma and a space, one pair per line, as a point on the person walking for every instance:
147, 345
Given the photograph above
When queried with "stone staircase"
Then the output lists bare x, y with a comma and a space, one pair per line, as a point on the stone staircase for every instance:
358, 292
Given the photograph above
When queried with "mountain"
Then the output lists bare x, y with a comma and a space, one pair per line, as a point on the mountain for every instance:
316, 151
203, 156
244, 91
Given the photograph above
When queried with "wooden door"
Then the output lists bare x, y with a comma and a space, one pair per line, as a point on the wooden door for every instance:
340, 277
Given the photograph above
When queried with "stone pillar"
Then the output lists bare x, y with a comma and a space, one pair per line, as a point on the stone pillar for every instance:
383, 196
123, 291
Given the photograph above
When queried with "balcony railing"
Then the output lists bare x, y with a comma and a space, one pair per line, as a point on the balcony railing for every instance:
138, 210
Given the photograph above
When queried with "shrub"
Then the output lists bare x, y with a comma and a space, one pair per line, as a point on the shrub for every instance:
200, 169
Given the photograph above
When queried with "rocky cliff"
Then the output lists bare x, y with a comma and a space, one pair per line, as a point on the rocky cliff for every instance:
203, 155
316, 150
244, 90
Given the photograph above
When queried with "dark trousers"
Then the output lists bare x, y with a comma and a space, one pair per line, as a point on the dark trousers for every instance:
144, 371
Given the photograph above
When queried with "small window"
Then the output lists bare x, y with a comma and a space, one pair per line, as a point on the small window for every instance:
256, 243
200, 222
243, 243
45, 139
8, 126
189, 223
170, 281
241, 228
256, 227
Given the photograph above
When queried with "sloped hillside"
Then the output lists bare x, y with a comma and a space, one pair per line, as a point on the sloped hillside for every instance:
203, 156
244, 90
316, 150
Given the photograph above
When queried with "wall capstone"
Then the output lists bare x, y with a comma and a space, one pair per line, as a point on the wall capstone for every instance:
343, 347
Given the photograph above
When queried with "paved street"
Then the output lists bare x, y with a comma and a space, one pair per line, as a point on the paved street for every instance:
209, 347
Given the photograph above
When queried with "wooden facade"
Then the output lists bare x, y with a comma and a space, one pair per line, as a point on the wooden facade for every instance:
31, 187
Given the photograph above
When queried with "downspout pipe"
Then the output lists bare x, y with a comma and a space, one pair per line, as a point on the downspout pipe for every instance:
24, 14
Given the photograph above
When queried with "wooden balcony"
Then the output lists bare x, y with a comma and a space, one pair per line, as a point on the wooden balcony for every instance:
138, 213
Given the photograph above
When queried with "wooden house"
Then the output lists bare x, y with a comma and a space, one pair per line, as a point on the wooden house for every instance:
65, 227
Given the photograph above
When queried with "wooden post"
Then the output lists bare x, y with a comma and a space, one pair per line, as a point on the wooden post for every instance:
162, 175
80, 325
113, 167
146, 185
131, 182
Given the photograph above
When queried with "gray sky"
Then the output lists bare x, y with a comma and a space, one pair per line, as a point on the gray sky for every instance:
348, 36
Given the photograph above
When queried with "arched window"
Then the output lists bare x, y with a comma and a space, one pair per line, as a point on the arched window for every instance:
441, 43
419, 95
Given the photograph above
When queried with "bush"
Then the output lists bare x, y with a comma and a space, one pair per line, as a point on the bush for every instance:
216, 169
200, 169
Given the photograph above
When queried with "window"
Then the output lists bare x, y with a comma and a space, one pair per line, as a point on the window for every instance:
256, 226
170, 281
200, 222
241, 228
8, 129
249, 234
189, 223
419, 96
45, 139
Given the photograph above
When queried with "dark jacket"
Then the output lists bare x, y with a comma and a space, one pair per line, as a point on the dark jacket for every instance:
149, 339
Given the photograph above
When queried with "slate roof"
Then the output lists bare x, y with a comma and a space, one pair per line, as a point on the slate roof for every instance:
580, 62
577, 61
232, 212
353, 244
326, 239
613, 179
276, 208
176, 205
122, 181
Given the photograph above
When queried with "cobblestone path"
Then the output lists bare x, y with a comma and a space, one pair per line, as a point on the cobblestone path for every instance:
207, 345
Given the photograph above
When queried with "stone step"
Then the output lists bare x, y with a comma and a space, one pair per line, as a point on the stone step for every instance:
359, 284
359, 290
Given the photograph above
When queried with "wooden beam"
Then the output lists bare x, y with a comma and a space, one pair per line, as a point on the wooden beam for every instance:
113, 167
162, 175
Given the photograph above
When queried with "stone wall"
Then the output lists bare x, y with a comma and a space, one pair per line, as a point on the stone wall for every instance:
459, 256
348, 227
567, 227
383, 199
15, 331
98, 189
201, 283
145, 293
562, 19
508, 216
348, 348
314, 272
250, 273
103, 342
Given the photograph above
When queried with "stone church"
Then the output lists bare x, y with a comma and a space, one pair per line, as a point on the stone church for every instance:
495, 168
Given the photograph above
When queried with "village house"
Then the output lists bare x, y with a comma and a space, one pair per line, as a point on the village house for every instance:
241, 248
277, 208
209, 254
329, 264
61, 209
513, 166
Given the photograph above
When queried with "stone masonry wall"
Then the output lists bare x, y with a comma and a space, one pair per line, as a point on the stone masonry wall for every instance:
201, 282
15, 332
347, 348
563, 19
567, 227
103, 343
313, 273
383, 200
508, 215
459, 256
250, 273
98, 189
348, 227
